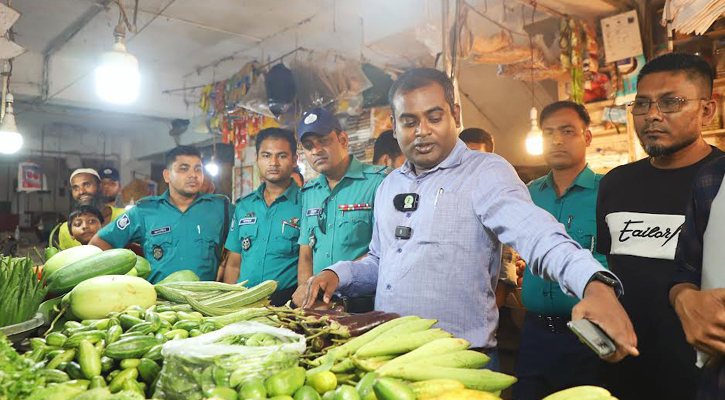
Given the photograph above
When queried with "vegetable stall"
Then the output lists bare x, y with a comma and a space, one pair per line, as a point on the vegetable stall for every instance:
107, 333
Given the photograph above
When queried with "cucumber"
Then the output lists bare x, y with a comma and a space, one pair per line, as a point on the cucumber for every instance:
111, 262
73, 370
91, 336
113, 333
142, 267
89, 359
144, 328
154, 353
117, 382
68, 257
107, 364
148, 370
65, 356
391, 389
131, 347
180, 276
54, 375
186, 325
55, 339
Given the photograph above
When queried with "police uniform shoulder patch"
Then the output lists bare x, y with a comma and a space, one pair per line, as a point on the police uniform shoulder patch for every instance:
123, 222
246, 243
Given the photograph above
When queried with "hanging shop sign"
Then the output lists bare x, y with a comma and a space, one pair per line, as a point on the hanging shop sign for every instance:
30, 177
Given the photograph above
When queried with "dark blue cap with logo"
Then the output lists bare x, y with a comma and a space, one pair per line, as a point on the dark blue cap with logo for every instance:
109, 172
317, 120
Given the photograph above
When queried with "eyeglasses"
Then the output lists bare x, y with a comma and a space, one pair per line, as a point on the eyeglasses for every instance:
322, 217
666, 105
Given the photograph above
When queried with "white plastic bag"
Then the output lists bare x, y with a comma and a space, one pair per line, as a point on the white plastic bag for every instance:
196, 365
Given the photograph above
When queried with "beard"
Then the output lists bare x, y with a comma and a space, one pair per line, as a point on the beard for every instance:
94, 202
108, 199
658, 150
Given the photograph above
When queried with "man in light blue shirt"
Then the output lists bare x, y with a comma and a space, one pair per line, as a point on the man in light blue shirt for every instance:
428, 259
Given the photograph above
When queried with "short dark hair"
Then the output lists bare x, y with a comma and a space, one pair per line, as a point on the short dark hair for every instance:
278, 133
694, 67
80, 210
417, 78
386, 144
181, 151
564, 104
477, 135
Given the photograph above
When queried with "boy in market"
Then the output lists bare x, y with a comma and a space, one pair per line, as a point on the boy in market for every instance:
84, 222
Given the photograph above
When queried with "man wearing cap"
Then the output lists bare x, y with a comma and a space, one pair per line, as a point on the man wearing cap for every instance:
110, 186
337, 206
85, 183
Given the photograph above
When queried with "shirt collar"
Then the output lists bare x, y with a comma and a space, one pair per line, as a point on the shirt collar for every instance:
585, 180
199, 197
354, 171
289, 194
453, 160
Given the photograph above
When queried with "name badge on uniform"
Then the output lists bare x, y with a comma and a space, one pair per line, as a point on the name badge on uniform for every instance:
248, 221
312, 212
160, 231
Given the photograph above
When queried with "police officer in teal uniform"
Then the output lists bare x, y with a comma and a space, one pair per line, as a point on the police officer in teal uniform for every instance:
337, 206
551, 357
181, 229
263, 236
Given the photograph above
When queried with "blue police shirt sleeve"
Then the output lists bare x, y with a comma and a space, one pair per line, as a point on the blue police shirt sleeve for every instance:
127, 228
504, 206
233, 243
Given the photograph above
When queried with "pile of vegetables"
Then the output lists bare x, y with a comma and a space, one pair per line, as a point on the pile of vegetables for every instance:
407, 348
226, 358
18, 378
21, 292
121, 351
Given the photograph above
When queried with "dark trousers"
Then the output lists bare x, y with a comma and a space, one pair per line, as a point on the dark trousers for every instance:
280, 297
552, 358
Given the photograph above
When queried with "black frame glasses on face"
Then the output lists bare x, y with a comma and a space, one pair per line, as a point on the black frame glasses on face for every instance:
322, 217
665, 105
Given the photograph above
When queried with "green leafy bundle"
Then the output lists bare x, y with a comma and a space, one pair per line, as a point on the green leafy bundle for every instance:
21, 292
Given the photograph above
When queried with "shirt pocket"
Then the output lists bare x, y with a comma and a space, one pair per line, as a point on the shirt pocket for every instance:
444, 222
355, 228
584, 233
160, 248
285, 240
206, 245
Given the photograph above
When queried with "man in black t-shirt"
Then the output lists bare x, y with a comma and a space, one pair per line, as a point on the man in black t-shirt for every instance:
640, 212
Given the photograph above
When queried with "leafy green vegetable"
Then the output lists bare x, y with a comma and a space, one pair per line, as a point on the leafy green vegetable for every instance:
21, 292
18, 377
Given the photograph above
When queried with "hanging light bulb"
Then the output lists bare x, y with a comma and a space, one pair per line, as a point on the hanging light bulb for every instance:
10, 140
535, 138
117, 76
212, 168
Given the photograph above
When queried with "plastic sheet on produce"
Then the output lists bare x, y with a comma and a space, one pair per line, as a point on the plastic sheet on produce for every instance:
193, 366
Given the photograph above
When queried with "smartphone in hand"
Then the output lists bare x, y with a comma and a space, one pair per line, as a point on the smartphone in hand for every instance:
593, 336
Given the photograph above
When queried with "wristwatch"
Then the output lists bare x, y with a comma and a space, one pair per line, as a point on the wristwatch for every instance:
607, 279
